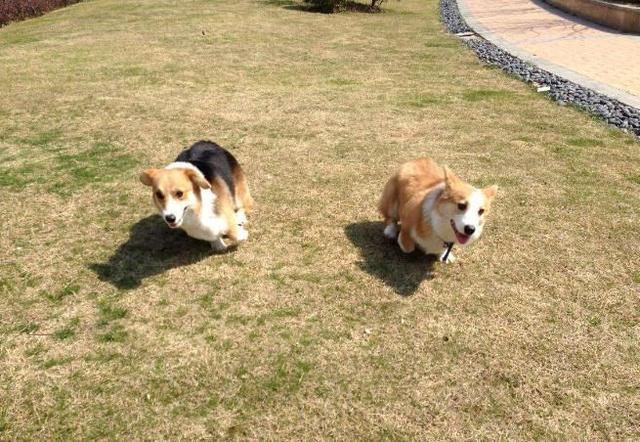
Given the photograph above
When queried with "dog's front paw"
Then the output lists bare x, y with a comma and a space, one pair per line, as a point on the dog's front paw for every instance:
243, 234
391, 231
450, 258
218, 245
241, 217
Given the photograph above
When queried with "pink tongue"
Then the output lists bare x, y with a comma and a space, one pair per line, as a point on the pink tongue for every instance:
462, 238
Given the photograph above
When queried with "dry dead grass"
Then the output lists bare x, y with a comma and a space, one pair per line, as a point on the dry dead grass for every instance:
113, 327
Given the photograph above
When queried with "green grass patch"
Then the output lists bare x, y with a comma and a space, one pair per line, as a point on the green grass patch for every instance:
594, 321
343, 82
17, 177
115, 334
108, 312
285, 312
442, 43
56, 362
4, 423
288, 374
317, 314
60, 294
104, 356
100, 163
14, 277
68, 331
64, 333
487, 94
27, 327
35, 350
423, 100
45, 138
584, 142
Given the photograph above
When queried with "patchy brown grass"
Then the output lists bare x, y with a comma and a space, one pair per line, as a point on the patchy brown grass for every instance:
113, 327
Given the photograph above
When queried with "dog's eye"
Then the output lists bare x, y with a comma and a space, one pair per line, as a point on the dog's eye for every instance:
462, 206
480, 212
159, 195
179, 194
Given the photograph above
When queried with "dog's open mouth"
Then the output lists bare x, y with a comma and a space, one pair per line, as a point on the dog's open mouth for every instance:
461, 237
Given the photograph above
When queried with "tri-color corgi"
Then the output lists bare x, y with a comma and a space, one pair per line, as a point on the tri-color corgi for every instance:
433, 208
205, 193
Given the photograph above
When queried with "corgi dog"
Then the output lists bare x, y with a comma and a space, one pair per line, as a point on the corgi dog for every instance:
205, 193
428, 205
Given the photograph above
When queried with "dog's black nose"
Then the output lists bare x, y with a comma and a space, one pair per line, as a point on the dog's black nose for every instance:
172, 219
468, 230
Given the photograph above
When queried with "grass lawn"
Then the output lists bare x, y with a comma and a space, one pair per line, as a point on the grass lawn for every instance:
114, 327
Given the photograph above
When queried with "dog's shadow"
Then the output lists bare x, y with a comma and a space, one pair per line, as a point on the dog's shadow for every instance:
152, 248
382, 258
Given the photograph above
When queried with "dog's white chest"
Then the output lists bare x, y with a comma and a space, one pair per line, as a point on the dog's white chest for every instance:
205, 225
208, 229
431, 244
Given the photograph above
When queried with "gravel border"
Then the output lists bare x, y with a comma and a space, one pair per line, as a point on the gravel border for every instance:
563, 91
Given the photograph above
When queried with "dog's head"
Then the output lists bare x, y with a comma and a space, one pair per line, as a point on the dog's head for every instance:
463, 208
174, 192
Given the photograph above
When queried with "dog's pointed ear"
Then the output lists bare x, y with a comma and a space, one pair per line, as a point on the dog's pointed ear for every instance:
450, 179
198, 179
147, 177
490, 192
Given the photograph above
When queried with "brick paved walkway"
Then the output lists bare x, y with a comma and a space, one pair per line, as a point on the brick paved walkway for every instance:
577, 50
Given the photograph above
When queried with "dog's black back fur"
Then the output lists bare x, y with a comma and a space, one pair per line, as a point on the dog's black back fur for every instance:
212, 160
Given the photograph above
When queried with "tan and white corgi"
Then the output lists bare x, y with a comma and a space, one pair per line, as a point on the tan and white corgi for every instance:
205, 193
433, 208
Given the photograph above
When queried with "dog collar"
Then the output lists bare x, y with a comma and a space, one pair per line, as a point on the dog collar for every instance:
449, 246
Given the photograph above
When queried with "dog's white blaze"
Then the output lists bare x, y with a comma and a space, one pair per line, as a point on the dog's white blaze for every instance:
471, 216
441, 223
176, 208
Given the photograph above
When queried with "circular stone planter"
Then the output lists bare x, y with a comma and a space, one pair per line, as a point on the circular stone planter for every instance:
622, 17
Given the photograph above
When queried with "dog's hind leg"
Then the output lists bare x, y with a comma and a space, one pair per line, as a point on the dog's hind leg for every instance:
225, 208
388, 207
243, 200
